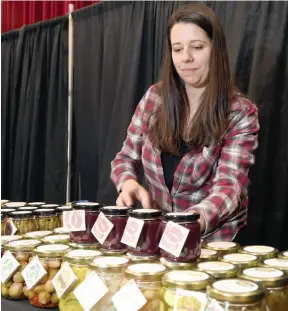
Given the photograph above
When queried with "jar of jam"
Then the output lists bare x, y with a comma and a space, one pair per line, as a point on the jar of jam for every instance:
208, 255
60, 210
184, 290
23, 221
219, 269
149, 238
56, 239
141, 259
277, 263
175, 265
261, 251
35, 204
235, 295
118, 216
222, 247
242, 261
191, 249
37, 234
46, 219
276, 283
283, 255
92, 211
14, 205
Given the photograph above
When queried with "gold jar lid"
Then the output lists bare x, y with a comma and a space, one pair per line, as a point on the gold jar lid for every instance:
283, 255
218, 269
222, 246
37, 234
277, 263
236, 291
108, 252
141, 259
145, 271
22, 245
173, 265
56, 239
269, 277
9, 238
261, 251
189, 280
3, 202
92, 246
241, 260
81, 256
49, 250
208, 254
109, 264
61, 230
14, 204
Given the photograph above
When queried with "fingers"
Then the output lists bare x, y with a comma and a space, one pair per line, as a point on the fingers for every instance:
144, 197
125, 199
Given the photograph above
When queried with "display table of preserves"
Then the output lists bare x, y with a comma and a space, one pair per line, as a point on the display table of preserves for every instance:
9, 305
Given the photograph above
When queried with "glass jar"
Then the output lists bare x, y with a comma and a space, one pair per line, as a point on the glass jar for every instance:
43, 295
184, 290
3, 202
92, 211
49, 206
23, 221
22, 250
84, 246
242, 261
175, 265
27, 208
46, 219
5, 239
277, 263
111, 271
261, 251
37, 234
4, 216
148, 277
141, 259
60, 210
276, 283
149, 238
208, 255
235, 295
78, 260
14, 205
219, 269
118, 216
222, 247
191, 249
283, 255
35, 204
57, 239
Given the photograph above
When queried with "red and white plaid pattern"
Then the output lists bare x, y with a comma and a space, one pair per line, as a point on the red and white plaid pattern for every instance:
212, 180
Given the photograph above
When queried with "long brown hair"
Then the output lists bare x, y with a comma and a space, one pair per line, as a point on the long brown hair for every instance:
211, 119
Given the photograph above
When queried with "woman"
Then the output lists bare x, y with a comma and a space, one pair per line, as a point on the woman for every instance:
193, 133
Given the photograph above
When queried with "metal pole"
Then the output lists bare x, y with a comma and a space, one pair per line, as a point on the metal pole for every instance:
70, 101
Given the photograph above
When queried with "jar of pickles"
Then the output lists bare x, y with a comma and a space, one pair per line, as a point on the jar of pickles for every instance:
37, 234
218, 269
148, 277
222, 247
118, 216
60, 210
261, 251
111, 271
191, 249
275, 282
57, 239
208, 255
14, 287
35, 204
184, 290
283, 255
21, 221
14, 205
78, 261
92, 211
46, 219
175, 265
243, 261
149, 238
43, 295
235, 295
141, 259
4, 216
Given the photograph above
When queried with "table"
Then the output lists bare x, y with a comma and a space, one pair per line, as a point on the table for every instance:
23, 305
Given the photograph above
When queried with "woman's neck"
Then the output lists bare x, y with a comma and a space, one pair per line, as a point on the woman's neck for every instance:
194, 97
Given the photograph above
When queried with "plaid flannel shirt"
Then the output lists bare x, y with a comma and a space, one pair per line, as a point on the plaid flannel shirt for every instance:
212, 180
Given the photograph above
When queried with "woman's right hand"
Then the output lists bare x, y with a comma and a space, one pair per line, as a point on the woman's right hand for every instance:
131, 191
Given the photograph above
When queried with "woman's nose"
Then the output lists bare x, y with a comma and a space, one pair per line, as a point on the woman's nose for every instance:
187, 55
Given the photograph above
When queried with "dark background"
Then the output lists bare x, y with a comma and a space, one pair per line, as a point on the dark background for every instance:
118, 53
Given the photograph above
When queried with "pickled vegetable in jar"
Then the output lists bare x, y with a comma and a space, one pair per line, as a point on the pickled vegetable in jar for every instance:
43, 295
46, 219
261, 251
208, 255
184, 290
283, 255
276, 283
57, 239
219, 269
23, 221
4, 216
49, 206
118, 216
277, 263
175, 265
37, 234
149, 238
235, 295
148, 277
222, 247
78, 260
14, 205
35, 204
111, 271
60, 210
92, 211
61, 230
243, 261
191, 249
141, 259
14, 288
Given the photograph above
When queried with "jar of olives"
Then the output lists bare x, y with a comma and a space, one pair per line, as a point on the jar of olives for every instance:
23, 222
235, 295
14, 288
261, 251
57, 239
208, 255
243, 261
60, 210
46, 219
174, 265
218, 269
222, 247
37, 234
43, 295
275, 282
5, 239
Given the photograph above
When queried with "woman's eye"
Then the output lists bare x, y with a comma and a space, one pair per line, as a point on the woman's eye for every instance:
176, 50
200, 47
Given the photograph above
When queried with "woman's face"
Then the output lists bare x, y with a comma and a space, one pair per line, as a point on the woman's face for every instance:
191, 50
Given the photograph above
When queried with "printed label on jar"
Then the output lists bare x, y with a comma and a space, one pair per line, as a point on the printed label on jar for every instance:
85, 292
132, 231
74, 220
187, 276
33, 272
213, 305
277, 262
259, 249
173, 238
235, 286
102, 228
264, 273
9, 265
221, 245
189, 300
215, 266
240, 257
207, 252
12, 226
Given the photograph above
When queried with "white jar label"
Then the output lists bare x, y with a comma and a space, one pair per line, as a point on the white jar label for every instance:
102, 228
189, 300
33, 272
74, 220
132, 231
